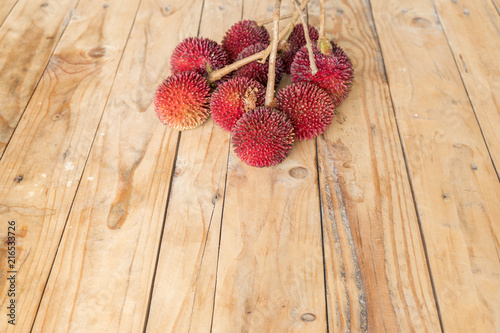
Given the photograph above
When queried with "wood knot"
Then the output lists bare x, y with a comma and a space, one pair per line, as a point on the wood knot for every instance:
97, 52
308, 317
421, 22
19, 179
298, 172
43, 5
178, 171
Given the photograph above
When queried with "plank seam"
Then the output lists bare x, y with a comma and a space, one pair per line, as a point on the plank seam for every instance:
220, 234
88, 153
408, 172
322, 223
223, 205
41, 75
8, 14
465, 86
166, 207
496, 7
205, 246
161, 234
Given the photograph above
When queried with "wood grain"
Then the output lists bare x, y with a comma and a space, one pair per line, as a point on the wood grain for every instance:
455, 185
376, 271
28, 37
270, 272
472, 29
42, 166
6, 8
190, 243
103, 275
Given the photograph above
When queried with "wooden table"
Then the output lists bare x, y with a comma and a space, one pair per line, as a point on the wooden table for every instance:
390, 221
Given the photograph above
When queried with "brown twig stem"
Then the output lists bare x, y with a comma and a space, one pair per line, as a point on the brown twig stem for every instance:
271, 74
321, 19
218, 74
270, 20
312, 62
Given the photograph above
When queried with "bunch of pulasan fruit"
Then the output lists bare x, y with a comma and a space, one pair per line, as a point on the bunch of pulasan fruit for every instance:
221, 81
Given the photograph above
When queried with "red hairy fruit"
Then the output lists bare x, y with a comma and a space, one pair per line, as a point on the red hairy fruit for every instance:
241, 35
181, 101
234, 97
256, 70
201, 55
310, 109
335, 72
295, 42
263, 137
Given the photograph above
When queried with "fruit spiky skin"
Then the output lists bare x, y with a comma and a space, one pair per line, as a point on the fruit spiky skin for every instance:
310, 109
295, 42
181, 101
201, 55
335, 72
241, 35
256, 70
233, 98
263, 137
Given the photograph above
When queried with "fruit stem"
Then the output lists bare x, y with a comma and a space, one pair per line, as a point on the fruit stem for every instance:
218, 74
262, 55
321, 19
312, 62
270, 20
271, 74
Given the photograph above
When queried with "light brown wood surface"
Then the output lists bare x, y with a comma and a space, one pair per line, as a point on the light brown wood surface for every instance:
5, 8
42, 166
370, 225
389, 222
28, 38
118, 213
456, 188
472, 29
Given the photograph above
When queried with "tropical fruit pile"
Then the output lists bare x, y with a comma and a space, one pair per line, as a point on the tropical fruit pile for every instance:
228, 82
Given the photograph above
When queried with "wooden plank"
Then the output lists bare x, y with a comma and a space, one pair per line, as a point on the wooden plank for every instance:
270, 272
28, 37
496, 3
455, 186
104, 270
376, 270
5, 9
473, 32
183, 297
42, 166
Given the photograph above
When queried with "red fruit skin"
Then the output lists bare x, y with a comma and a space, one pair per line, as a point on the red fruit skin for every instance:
182, 101
255, 70
263, 137
233, 98
295, 42
335, 73
201, 55
310, 109
241, 35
